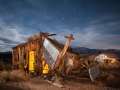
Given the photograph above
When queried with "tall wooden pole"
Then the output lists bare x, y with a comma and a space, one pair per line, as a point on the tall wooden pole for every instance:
62, 54
66, 45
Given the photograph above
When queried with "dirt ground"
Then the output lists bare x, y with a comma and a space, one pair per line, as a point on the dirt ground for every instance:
107, 80
40, 84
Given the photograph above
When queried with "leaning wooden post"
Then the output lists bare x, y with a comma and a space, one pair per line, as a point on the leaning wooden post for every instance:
66, 45
62, 54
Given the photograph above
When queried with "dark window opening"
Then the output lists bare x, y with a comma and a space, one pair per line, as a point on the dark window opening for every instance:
24, 55
88, 61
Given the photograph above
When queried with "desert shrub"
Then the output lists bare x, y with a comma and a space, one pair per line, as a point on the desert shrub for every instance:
8, 67
3, 76
14, 76
4, 66
18, 75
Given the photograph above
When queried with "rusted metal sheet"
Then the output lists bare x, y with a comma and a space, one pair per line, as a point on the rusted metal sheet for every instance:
94, 72
50, 53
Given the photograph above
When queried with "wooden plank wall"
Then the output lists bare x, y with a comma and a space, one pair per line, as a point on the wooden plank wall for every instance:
34, 44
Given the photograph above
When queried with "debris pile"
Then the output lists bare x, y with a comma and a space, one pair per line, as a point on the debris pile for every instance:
110, 78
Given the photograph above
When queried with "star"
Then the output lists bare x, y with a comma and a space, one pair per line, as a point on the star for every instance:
80, 15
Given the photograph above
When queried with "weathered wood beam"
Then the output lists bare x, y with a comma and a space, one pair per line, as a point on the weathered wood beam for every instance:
59, 61
66, 45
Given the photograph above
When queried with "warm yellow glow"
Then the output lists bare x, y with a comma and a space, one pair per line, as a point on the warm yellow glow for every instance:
112, 61
31, 60
45, 67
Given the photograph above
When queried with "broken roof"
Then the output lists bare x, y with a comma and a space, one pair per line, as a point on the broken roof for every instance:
54, 42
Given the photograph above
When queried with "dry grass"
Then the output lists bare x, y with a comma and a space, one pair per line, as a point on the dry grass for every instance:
3, 76
18, 75
4, 66
14, 76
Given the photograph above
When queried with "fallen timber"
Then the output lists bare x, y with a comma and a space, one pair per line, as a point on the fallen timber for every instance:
43, 55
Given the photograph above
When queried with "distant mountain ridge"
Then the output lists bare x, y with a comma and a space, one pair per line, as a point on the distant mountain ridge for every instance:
85, 50
7, 52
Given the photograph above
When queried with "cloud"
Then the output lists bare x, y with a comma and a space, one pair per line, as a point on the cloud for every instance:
2, 45
11, 34
99, 33
6, 40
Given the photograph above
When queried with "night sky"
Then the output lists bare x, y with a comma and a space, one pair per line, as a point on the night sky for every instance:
93, 23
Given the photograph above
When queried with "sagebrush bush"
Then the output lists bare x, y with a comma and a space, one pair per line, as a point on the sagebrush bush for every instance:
8, 67
4, 66
14, 76
18, 75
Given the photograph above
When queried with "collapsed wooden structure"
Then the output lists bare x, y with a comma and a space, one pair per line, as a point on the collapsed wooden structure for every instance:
44, 55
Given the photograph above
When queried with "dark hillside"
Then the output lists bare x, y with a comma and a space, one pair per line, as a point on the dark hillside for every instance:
6, 57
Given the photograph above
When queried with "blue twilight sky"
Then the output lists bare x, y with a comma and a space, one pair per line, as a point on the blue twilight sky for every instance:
94, 23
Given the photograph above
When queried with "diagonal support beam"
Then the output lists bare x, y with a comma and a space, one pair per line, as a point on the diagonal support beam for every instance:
62, 54
66, 45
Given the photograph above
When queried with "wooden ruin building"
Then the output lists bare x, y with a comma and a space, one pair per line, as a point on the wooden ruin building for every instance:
41, 54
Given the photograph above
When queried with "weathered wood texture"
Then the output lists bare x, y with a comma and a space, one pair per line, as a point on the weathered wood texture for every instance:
21, 52
60, 60
35, 43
